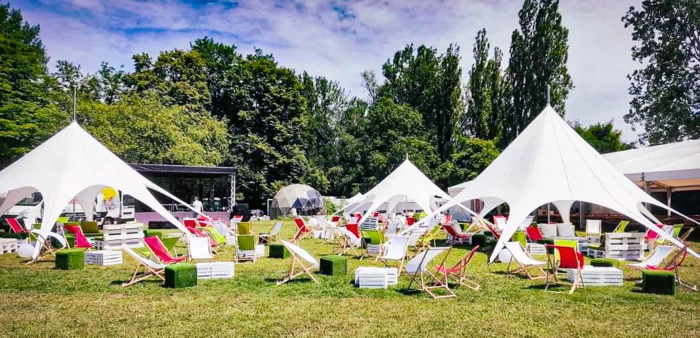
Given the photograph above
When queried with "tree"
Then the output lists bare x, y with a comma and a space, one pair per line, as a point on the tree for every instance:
485, 100
471, 157
666, 90
538, 56
27, 116
431, 84
603, 137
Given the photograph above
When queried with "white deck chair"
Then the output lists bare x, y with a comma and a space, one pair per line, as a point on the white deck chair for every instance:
272, 235
299, 256
500, 223
199, 248
395, 250
593, 227
526, 223
391, 229
417, 268
655, 259
150, 268
524, 260
349, 242
414, 236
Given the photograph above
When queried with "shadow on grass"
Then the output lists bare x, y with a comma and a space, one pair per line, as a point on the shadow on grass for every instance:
296, 280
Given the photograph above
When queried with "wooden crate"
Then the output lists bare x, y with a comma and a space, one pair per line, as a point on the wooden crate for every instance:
104, 258
627, 246
8, 245
371, 278
374, 249
598, 276
119, 236
118, 244
215, 270
536, 249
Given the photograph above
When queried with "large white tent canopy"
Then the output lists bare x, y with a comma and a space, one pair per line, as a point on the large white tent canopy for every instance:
405, 184
668, 167
550, 163
72, 164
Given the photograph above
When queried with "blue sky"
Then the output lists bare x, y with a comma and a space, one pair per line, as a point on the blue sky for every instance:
340, 39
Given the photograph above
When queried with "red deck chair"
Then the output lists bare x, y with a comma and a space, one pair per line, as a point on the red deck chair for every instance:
456, 237
200, 233
534, 234
459, 271
302, 229
16, 227
158, 249
409, 221
569, 258
81, 241
355, 229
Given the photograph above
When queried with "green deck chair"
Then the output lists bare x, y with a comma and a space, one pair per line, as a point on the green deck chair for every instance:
219, 239
246, 248
376, 237
520, 236
424, 242
621, 227
677, 230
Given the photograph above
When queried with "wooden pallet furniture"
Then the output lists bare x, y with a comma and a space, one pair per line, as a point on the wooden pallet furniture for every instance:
598, 276
622, 246
120, 236
103, 257
215, 270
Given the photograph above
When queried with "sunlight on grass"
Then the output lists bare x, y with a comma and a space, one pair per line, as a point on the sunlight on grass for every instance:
37, 300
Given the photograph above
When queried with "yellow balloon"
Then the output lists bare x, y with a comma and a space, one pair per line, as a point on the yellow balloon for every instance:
108, 193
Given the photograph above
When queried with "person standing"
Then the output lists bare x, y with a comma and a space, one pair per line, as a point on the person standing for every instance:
198, 207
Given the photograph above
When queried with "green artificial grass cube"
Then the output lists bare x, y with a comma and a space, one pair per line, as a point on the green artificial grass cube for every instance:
605, 262
278, 250
70, 259
13, 235
69, 238
488, 233
89, 227
334, 265
660, 282
479, 239
180, 275
149, 233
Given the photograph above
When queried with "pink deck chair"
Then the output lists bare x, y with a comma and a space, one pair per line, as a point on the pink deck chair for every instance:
456, 237
302, 229
158, 249
81, 241
16, 227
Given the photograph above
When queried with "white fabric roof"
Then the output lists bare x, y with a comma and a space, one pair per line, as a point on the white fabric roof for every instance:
673, 165
456, 189
550, 162
405, 184
73, 164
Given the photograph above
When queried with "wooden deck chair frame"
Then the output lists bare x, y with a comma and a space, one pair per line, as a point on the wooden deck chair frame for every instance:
578, 282
347, 244
675, 264
47, 248
426, 279
150, 269
461, 277
296, 261
272, 235
429, 236
522, 267
217, 238
400, 244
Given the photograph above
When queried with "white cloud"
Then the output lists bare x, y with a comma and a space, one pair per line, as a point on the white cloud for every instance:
341, 42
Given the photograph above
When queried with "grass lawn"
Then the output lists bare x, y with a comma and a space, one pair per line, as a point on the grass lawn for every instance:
37, 300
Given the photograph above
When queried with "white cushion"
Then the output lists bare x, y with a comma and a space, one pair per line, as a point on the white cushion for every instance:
566, 230
548, 230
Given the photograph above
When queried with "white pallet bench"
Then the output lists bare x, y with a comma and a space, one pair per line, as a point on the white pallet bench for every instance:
104, 258
598, 276
215, 270
536, 249
8, 245
375, 278
231, 240
119, 236
622, 246
374, 249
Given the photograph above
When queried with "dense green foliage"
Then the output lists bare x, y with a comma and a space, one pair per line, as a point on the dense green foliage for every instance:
602, 137
666, 89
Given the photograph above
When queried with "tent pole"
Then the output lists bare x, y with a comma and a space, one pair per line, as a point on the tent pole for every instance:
669, 193
647, 187
548, 215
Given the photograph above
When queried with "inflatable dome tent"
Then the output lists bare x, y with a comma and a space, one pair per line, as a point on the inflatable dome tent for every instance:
296, 198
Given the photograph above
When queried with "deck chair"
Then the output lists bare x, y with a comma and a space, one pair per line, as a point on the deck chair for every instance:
659, 260
160, 252
81, 242
16, 227
569, 258
500, 222
391, 229
496, 233
593, 227
302, 229
199, 233
150, 268
668, 229
375, 244
458, 273
245, 249
524, 260
349, 242
395, 250
534, 234
424, 242
417, 268
217, 237
456, 237
414, 236
272, 235
621, 227
199, 249
305, 260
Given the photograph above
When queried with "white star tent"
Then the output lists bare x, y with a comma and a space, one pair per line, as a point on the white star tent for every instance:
72, 164
550, 163
405, 184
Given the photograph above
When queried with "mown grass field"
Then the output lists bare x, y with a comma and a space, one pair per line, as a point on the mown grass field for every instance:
37, 300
